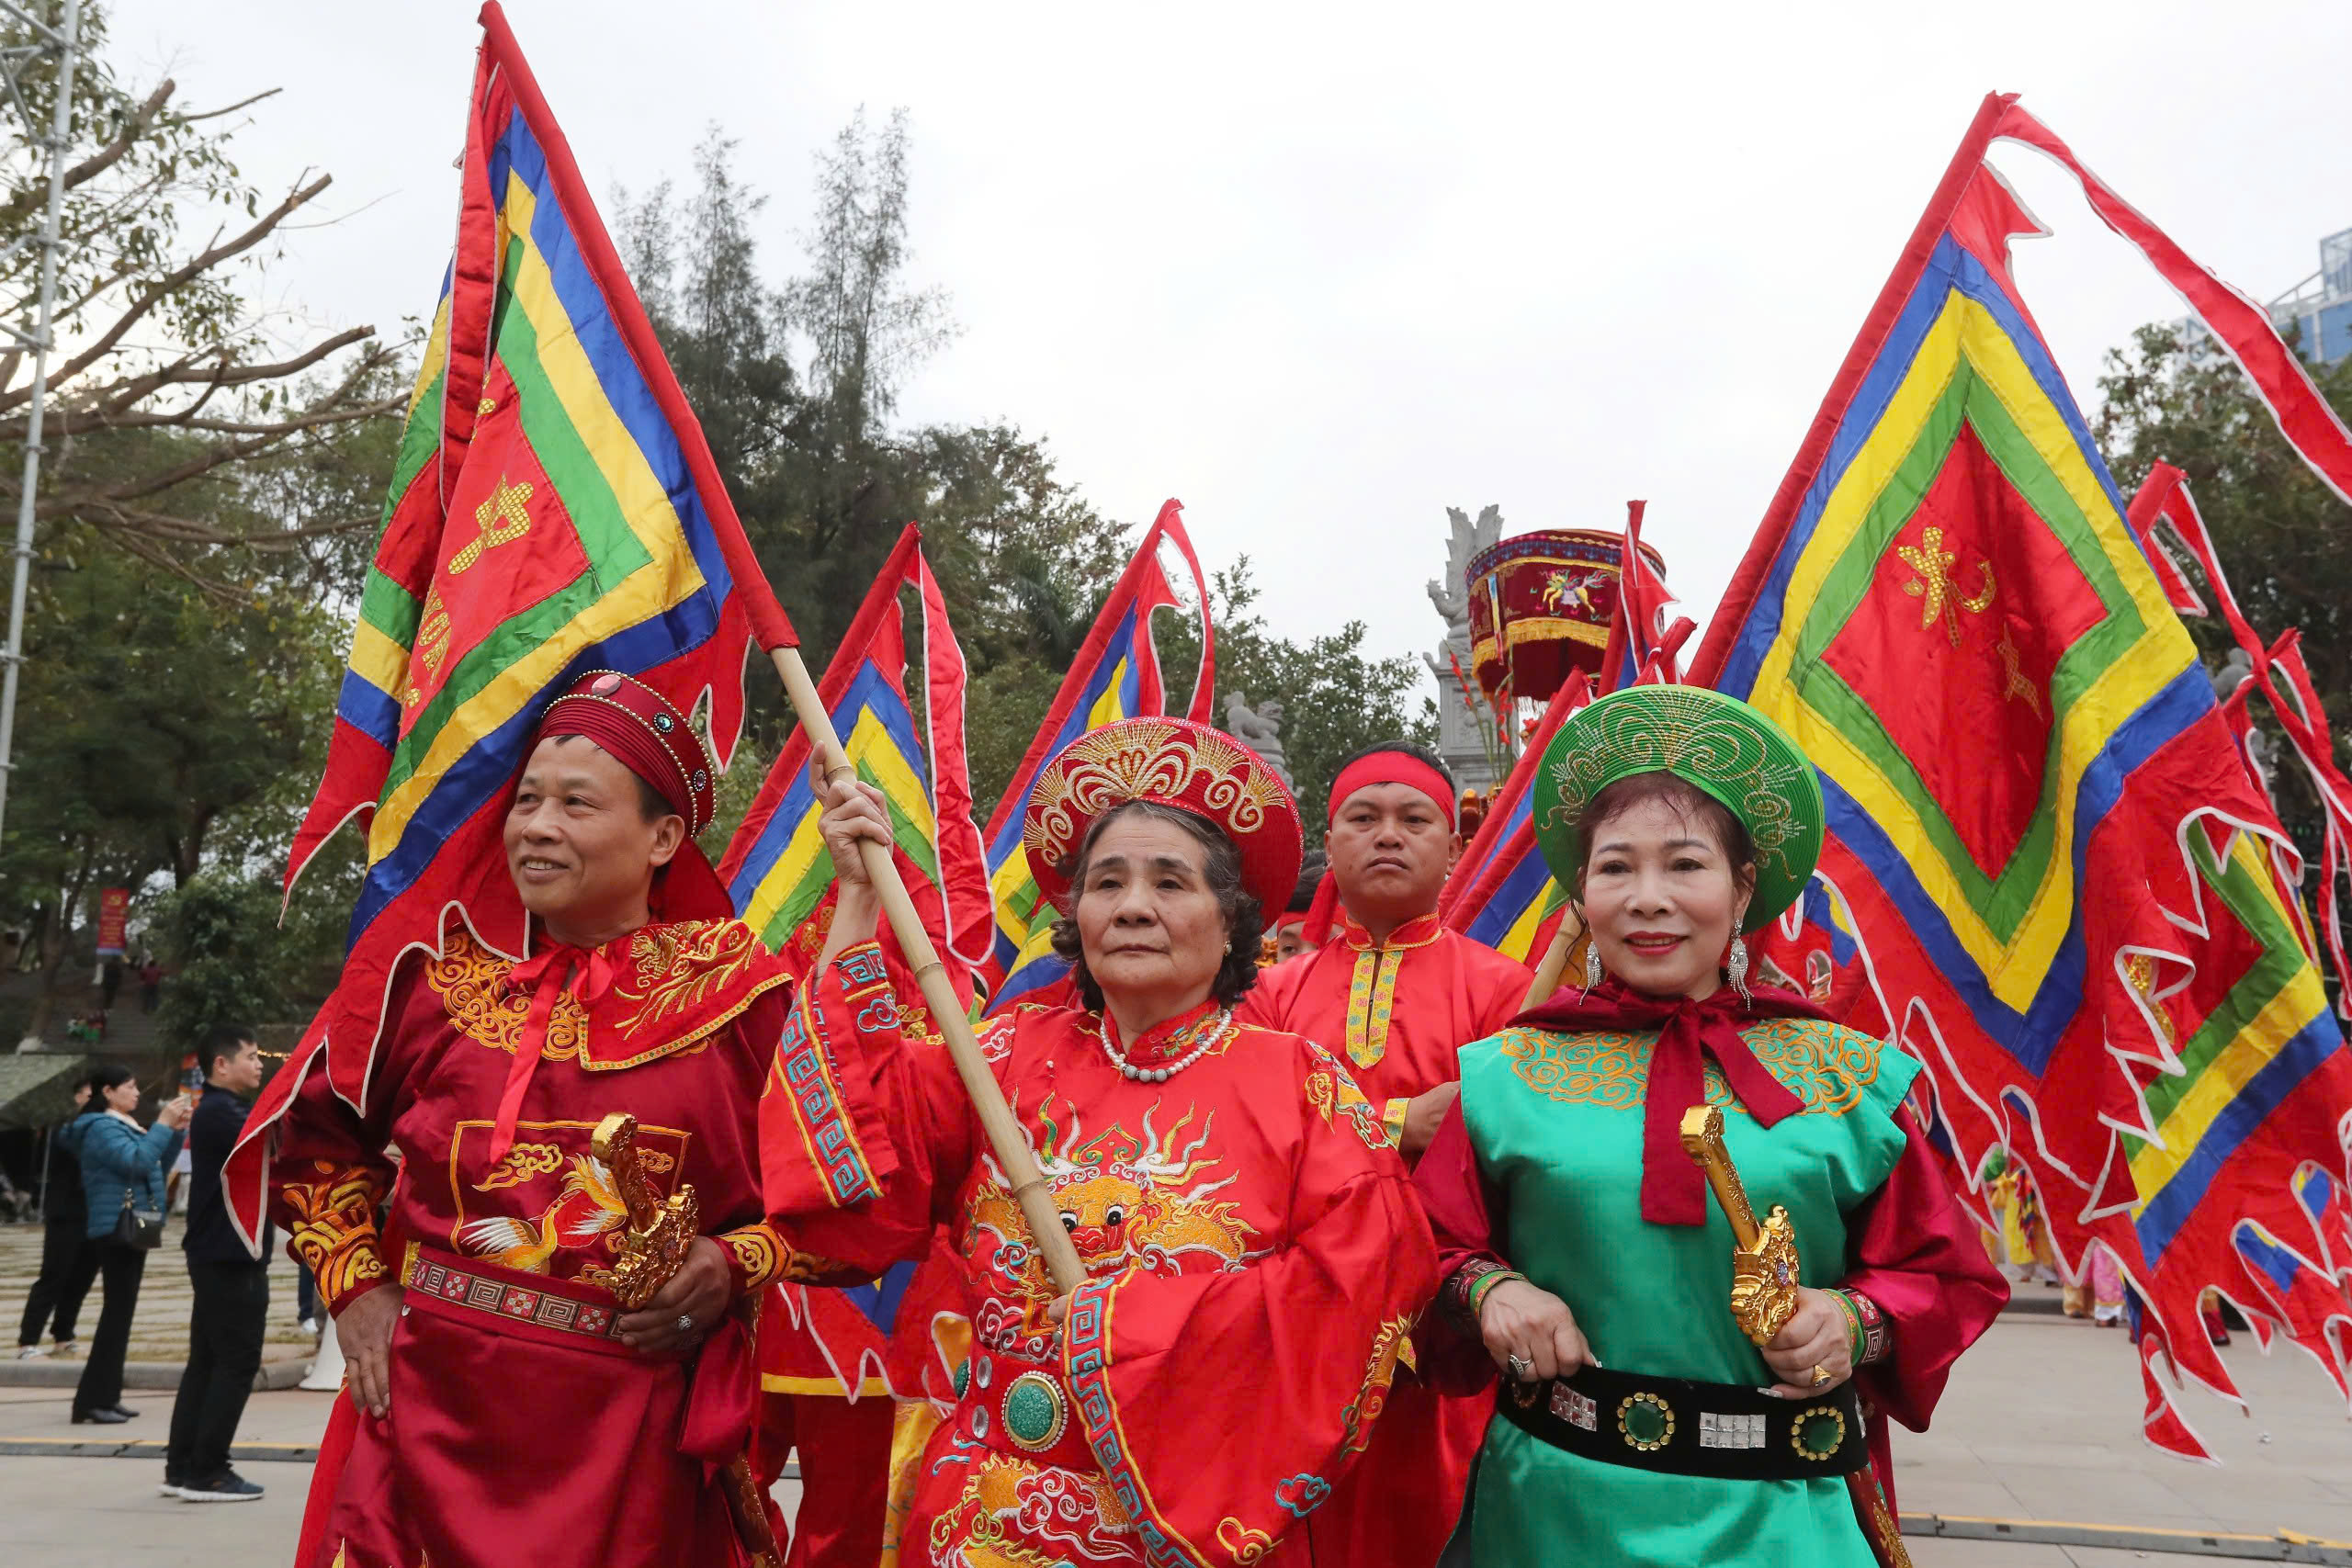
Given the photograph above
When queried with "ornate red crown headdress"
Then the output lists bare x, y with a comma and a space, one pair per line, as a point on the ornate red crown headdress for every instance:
1172, 762
652, 740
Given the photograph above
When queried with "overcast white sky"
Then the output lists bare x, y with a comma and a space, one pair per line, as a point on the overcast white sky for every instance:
1322, 271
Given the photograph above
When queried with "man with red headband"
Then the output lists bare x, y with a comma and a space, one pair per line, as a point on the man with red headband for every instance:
503, 1403
1396, 996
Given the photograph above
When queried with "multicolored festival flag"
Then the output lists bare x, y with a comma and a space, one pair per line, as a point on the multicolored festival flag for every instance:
2302, 1295
1115, 676
776, 869
554, 509
2277, 672
2058, 874
2323, 1201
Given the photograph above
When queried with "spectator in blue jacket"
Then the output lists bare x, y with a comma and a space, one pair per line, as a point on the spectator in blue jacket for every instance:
122, 1168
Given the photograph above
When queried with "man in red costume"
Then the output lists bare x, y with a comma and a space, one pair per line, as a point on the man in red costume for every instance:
1396, 996
502, 1401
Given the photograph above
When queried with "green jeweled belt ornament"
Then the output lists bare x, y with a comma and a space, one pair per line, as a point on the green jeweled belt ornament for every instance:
1817, 1433
1035, 1411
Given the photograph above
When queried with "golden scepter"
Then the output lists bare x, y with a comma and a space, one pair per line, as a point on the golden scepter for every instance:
1763, 1254
652, 1250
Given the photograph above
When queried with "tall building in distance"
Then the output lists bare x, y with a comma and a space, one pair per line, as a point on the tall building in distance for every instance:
2320, 306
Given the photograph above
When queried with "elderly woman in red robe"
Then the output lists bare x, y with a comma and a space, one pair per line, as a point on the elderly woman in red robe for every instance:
1255, 1256
503, 1407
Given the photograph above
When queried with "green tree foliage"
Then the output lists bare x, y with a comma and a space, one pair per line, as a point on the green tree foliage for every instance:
822, 482
219, 936
161, 729
212, 470
2284, 539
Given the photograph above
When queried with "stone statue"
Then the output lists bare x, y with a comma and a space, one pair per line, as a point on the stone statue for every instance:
1461, 723
1451, 594
2236, 670
1260, 729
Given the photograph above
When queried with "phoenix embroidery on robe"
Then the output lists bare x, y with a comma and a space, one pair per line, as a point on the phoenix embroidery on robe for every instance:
586, 1208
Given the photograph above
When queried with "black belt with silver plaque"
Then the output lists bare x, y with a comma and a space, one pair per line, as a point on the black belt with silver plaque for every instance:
1681, 1427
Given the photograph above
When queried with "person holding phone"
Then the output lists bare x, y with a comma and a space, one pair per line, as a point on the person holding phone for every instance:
122, 1185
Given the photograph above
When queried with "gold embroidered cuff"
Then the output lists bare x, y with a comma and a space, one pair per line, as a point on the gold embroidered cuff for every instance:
331, 1231
351, 1273
1392, 1120
755, 1255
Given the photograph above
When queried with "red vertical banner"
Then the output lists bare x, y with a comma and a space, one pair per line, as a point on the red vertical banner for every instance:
114, 917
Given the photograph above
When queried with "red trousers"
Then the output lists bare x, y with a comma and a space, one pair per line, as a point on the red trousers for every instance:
844, 1448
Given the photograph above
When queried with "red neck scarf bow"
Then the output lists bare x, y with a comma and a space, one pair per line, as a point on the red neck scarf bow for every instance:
1674, 1193
581, 973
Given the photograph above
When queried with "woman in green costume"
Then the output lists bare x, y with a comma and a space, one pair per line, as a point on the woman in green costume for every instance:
1638, 1420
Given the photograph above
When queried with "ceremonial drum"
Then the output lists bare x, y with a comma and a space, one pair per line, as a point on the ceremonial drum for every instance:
1539, 606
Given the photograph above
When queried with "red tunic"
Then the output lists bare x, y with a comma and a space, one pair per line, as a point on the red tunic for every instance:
1257, 1261
1400, 1012
518, 1423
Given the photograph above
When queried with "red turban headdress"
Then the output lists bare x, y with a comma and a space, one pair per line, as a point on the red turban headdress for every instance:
639, 729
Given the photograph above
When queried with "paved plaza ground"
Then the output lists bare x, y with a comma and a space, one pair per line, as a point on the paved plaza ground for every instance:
2041, 1422
159, 1328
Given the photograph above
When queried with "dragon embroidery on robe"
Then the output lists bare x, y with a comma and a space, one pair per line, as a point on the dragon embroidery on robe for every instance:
1145, 1201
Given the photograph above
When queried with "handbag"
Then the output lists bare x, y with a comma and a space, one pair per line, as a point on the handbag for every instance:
137, 1227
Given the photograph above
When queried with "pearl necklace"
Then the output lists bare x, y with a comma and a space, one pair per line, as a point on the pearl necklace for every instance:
1214, 1032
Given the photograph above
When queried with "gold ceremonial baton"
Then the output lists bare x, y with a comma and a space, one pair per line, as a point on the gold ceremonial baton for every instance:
1764, 1253
652, 1249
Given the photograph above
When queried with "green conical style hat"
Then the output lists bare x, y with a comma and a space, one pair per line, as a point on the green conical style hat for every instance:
1717, 743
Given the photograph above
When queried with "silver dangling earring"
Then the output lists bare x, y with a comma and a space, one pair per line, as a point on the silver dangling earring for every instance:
1591, 964
1738, 968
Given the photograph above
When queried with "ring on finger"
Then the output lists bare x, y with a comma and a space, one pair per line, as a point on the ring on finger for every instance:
1521, 1368
1820, 1375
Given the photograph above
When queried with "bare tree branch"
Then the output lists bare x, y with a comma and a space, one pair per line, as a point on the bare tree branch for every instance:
108, 406
153, 528
164, 287
231, 109
20, 205
292, 425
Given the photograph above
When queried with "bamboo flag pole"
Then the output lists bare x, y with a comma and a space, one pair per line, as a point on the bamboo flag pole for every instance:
1555, 958
1004, 1133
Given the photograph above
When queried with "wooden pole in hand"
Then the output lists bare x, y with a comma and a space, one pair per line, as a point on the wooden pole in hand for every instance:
1554, 965
1004, 1133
